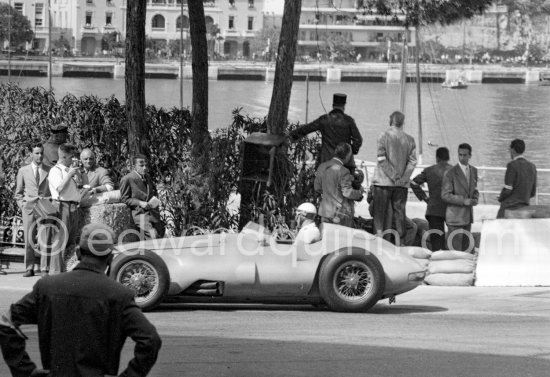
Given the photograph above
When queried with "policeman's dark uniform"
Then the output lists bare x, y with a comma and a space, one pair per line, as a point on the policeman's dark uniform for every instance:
335, 127
59, 135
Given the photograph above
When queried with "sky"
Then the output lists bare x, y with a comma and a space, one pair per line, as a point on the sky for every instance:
274, 6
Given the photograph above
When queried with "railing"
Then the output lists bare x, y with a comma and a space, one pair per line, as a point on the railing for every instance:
484, 181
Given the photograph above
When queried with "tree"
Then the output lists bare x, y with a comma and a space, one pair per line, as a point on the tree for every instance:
200, 136
266, 37
134, 79
425, 12
284, 69
21, 29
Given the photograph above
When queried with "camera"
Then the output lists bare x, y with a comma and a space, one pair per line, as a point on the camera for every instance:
76, 163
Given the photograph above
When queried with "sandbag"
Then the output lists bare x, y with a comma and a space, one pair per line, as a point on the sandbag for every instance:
419, 252
118, 216
459, 280
107, 197
451, 266
451, 255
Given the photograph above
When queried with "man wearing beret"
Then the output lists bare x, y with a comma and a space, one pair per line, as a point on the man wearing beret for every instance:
336, 127
83, 319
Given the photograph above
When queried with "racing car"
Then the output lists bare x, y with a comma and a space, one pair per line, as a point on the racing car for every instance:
348, 270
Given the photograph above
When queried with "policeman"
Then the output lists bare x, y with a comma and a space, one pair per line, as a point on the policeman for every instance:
59, 135
335, 127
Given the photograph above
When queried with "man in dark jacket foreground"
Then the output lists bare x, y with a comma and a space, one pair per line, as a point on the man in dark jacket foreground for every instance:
83, 320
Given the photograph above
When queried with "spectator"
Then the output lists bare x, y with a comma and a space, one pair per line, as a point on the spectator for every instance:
65, 180
32, 184
335, 127
334, 182
305, 220
435, 212
58, 136
520, 180
396, 154
94, 178
139, 193
83, 319
459, 191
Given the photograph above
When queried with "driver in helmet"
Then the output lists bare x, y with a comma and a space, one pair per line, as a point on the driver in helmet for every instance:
305, 221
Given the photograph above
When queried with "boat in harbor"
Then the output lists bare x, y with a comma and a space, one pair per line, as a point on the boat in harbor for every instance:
455, 84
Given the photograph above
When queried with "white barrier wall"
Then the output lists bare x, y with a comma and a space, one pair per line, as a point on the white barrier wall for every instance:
452, 75
514, 252
532, 77
119, 71
393, 76
474, 76
334, 75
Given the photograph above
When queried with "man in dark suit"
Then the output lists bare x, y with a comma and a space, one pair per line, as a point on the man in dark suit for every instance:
435, 212
31, 185
139, 193
83, 319
334, 182
335, 127
520, 180
459, 191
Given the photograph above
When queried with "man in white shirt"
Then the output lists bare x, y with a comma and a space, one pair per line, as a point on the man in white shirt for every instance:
65, 179
305, 220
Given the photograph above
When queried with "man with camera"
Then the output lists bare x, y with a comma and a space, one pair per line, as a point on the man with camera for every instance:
65, 180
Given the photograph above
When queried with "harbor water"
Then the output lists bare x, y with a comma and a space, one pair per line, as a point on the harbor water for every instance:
487, 116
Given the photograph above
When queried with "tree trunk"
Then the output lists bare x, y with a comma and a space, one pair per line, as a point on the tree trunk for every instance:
135, 77
284, 69
199, 126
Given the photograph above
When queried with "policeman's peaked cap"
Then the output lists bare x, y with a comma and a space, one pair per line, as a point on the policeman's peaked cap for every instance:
339, 99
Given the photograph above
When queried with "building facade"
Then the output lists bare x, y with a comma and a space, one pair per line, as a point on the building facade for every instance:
342, 30
84, 25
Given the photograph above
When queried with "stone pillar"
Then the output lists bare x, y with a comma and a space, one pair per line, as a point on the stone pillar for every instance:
452, 75
334, 75
186, 72
212, 73
269, 74
393, 76
532, 77
119, 71
57, 70
474, 76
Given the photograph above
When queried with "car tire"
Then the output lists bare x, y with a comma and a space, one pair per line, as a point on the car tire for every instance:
145, 273
351, 282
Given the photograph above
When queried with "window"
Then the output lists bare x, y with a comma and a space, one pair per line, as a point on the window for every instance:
232, 3
18, 7
231, 22
250, 23
158, 22
89, 1
109, 2
108, 18
185, 22
251, 3
38, 12
88, 18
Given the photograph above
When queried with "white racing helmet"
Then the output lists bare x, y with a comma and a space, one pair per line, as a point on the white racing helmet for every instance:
307, 208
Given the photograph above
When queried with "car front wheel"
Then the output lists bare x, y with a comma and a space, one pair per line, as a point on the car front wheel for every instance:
351, 282
144, 273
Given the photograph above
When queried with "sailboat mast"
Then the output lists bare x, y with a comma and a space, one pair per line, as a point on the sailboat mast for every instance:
402, 88
49, 45
9, 41
419, 101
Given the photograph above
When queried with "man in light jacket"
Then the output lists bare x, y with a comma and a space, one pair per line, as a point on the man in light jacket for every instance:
396, 155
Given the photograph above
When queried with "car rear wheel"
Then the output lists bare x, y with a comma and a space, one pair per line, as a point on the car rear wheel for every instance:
146, 274
351, 283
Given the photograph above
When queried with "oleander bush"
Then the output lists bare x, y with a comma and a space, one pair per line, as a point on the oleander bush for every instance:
193, 198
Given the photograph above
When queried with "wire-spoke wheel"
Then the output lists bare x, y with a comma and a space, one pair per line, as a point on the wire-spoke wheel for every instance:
141, 277
146, 274
351, 282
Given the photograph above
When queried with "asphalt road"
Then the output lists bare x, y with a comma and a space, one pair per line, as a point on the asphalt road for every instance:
431, 331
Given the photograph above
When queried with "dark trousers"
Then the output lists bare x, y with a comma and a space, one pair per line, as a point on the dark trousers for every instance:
384, 199
437, 234
64, 242
37, 238
151, 229
460, 238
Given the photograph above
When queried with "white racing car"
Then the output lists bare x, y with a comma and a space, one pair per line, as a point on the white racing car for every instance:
349, 269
